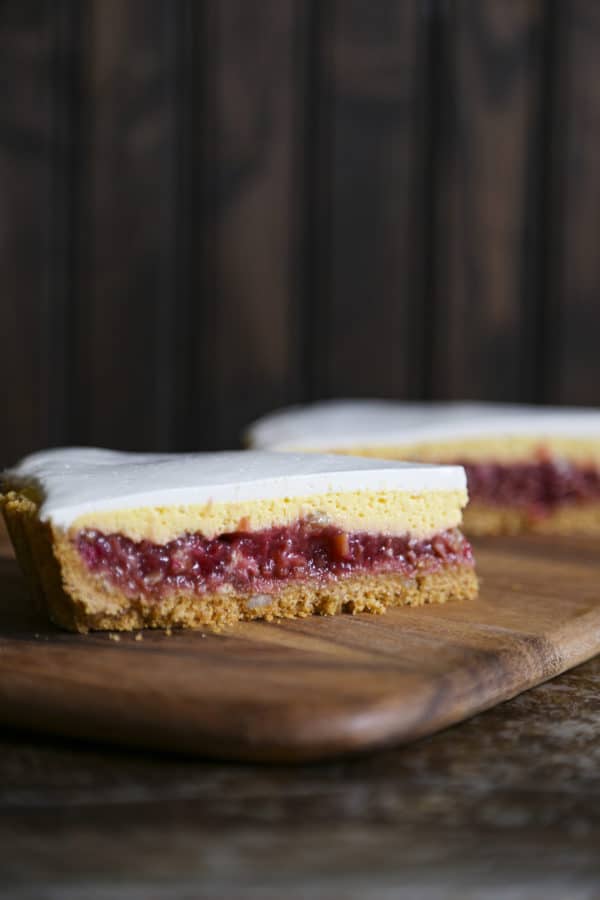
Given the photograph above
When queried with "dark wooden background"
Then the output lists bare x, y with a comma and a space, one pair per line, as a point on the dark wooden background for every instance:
209, 208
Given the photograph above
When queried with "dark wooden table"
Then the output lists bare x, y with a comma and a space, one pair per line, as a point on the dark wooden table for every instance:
506, 805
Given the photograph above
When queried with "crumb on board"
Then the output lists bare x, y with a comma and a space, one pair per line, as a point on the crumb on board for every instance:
139, 636
113, 636
168, 632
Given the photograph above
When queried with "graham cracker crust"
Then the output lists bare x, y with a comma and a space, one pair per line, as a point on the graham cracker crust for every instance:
79, 600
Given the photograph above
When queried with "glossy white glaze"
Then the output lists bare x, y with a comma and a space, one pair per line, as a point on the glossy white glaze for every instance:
358, 423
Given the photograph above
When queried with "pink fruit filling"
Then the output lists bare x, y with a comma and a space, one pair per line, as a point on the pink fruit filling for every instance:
539, 486
260, 561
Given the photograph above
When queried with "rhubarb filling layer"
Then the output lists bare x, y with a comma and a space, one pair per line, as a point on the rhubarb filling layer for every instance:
261, 561
540, 487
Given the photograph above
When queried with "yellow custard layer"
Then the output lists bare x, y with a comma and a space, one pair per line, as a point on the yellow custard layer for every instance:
389, 512
507, 449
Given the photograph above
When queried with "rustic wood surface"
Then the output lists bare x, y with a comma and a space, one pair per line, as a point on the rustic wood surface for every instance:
30, 142
574, 202
123, 238
248, 127
504, 805
489, 156
308, 689
372, 150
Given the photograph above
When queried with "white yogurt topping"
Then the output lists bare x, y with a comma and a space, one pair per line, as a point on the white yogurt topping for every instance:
348, 423
78, 481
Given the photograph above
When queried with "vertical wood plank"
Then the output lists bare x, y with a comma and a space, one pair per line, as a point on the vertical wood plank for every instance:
486, 250
251, 134
574, 280
370, 232
126, 226
28, 51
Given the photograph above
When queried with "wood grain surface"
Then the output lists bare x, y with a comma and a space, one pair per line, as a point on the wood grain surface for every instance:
574, 268
486, 210
371, 144
248, 127
311, 688
124, 240
504, 806
31, 181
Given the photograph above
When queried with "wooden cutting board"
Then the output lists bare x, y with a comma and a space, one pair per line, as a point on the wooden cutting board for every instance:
315, 687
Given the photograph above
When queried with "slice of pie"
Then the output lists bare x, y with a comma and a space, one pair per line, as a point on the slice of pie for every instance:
124, 541
528, 468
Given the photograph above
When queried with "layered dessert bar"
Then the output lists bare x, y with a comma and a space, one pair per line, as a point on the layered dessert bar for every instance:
528, 468
125, 541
